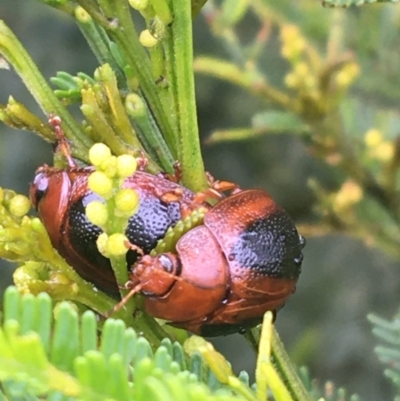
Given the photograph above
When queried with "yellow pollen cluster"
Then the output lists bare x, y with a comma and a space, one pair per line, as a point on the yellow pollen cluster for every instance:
349, 194
377, 147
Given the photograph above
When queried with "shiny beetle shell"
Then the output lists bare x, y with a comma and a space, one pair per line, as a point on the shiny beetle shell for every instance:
244, 260
60, 197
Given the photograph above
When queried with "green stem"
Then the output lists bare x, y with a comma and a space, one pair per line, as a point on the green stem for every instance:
197, 6
162, 11
125, 36
97, 40
172, 105
287, 371
17, 56
149, 132
189, 144
282, 364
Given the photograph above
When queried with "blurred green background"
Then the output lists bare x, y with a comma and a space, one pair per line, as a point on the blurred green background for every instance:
324, 324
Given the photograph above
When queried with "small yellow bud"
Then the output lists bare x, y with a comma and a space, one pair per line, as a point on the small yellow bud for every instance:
286, 51
97, 213
289, 32
139, 4
60, 279
99, 183
291, 80
311, 84
299, 44
117, 244
384, 151
302, 70
134, 105
109, 166
1, 195
349, 194
82, 15
147, 39
127, 201
373, 138
98, 154
37, 225
101, 243
19, 205
292, 42
126, 166
348, 74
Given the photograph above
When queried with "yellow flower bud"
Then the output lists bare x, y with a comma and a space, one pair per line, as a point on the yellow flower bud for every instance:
134, 105
289, 32
139, 4
101, 243
147, 39
127, 201
126, 166
97, 213
302, 70
349, 194
109, 166
117, 244
19, 205
99, 153
373, 138
291, 80
384, 151
99, 183
82, 15
292, 42
348, 74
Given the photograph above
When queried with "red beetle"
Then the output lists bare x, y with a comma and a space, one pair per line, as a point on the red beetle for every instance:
225, 274
60, 197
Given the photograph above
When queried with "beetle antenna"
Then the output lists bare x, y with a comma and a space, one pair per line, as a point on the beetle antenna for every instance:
125, 299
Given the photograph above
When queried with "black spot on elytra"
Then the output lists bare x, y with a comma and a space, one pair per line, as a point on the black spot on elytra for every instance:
145, 228
270, 246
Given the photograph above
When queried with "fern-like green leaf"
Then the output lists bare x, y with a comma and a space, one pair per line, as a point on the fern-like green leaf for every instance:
61, 358
328, 391
388, 334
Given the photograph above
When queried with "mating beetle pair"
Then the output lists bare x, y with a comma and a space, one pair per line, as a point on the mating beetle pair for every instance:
243, 260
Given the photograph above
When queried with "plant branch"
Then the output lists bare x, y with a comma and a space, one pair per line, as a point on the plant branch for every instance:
189, 144
17, 56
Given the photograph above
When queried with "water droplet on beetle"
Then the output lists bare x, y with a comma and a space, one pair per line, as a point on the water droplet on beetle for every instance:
298, 260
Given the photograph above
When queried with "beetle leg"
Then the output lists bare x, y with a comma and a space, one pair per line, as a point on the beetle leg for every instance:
142, 161
172, 196
134, 247
176, 177
216, 190
62, 142
221, 186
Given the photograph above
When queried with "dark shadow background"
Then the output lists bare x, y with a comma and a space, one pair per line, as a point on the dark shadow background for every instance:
324, 324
